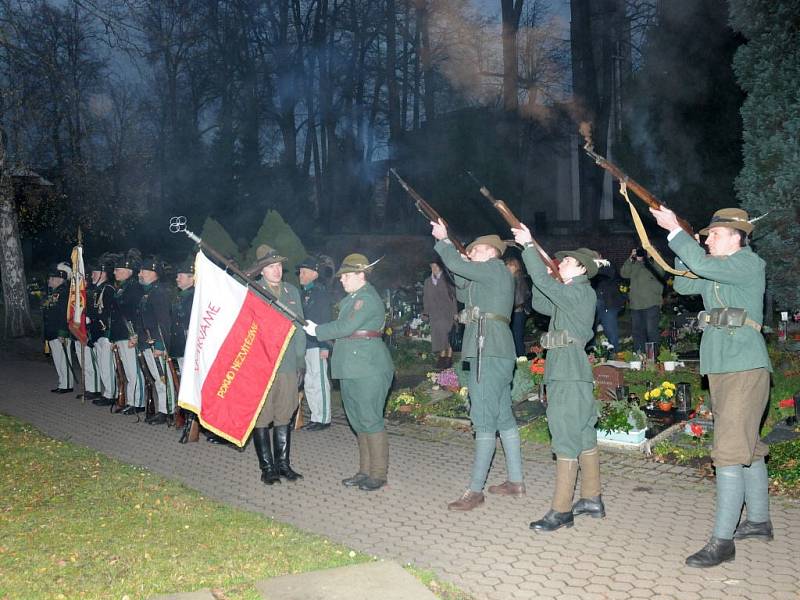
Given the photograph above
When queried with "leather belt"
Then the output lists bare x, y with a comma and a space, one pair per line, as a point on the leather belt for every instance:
364, 334
494, 317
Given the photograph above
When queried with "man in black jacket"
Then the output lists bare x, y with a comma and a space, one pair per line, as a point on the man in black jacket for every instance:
317, 307
182, 311
54, 325
609, 302
100, 298
154, 321
124, 314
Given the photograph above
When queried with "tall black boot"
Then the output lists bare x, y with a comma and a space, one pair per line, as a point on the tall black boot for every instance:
269, 474
282, 440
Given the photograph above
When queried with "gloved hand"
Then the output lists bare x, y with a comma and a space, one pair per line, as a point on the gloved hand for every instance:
310, 328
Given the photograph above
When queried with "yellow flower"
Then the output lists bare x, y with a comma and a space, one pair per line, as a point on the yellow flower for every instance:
463, 392
647, 395
669, 393
655, 393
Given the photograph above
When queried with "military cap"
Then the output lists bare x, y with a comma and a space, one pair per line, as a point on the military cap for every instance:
310, 263
186, 266
585, 256
153, 263
356, 263
61, 269
489, 240
105, 263
132, 260
265, 256
734, 218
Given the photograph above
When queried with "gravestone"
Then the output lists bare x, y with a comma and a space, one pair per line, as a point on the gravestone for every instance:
607, 378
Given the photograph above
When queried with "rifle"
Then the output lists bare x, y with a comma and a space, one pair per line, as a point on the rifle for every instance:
514, 223
70, 355
180, 417
122, 379
617, 173
427, 210
191, 429
149, 385
300, 419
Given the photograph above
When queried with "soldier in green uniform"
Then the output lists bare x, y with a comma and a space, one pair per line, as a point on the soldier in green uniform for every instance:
282, 400
571, 412
362, 364
486, 287
731, 280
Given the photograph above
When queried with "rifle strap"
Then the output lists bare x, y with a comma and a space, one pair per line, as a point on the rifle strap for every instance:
645, 240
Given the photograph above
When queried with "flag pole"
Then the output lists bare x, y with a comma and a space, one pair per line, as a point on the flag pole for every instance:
178, 225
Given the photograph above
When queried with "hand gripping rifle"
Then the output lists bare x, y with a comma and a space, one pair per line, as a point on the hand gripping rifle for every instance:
178, 225
149, 380
427, 210
643, 193
514, 223
173, 386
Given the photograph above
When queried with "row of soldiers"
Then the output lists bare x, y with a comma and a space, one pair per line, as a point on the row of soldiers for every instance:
133, 328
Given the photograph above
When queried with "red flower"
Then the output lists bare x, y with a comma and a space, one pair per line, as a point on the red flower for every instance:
697, 430
537, 366
786, 403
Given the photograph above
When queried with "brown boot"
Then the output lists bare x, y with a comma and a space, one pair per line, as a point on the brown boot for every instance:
363, 463
378, 444
508, 488
468, 501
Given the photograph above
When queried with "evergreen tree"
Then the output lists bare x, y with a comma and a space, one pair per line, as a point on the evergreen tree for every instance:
215, 236
767, 68
275, 232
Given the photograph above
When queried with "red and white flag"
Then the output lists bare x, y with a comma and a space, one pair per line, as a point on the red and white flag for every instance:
76, 306
233, 348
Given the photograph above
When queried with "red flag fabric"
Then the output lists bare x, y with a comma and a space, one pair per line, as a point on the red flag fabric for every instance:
234, 346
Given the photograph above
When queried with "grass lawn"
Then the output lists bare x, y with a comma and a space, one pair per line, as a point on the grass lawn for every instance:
77, 524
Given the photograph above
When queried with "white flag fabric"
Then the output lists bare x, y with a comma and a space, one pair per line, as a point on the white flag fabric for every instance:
234, 346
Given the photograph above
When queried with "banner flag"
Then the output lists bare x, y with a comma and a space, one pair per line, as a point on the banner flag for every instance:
234, 346
76, 306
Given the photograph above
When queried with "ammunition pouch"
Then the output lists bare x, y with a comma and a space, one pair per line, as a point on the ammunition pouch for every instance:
725, 317
557, 338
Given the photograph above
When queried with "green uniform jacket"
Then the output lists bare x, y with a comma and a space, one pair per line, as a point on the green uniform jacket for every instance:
735, 281
353, 358
570, 306
295, 355
490, 286
646, 286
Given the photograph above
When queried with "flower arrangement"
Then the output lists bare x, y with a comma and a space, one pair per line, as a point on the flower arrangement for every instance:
401, 399
662, 395
537, 370
618, 415
527, 377
446, 380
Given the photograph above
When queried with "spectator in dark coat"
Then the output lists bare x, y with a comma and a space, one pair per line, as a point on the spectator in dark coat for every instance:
609, 302
439, 304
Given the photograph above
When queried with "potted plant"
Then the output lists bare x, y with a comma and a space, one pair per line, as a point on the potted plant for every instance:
668, 358
662, 395
621, 422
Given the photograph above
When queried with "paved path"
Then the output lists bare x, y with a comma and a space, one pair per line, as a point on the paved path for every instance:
657, 514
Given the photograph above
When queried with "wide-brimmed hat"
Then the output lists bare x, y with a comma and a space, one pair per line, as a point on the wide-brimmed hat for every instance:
490, 240
356, 263
62, 270
310, 263
585, 256
265, 255
735, 218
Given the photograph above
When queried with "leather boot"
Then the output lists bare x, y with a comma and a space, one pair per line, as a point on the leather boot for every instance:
363, 463
715, 552
282, 440
378, 445
508, 488
269, 474
467, 501
553, 520
593, 507
748, 529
